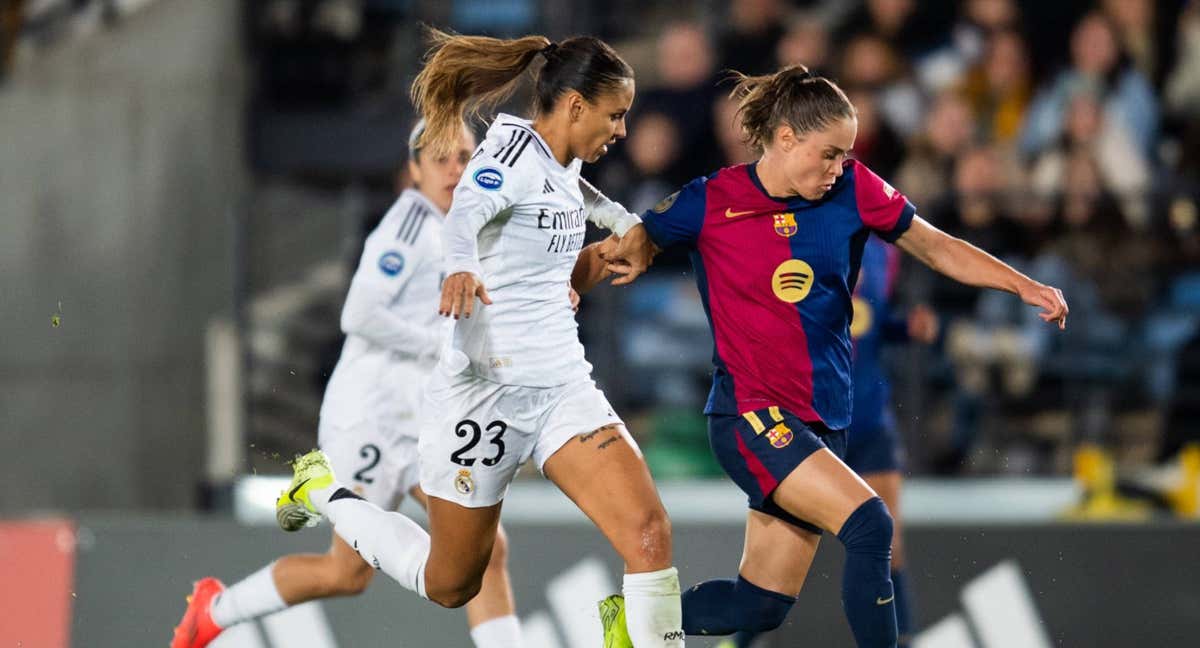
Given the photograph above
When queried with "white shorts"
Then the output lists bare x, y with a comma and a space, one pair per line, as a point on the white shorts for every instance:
376, 459
477, 433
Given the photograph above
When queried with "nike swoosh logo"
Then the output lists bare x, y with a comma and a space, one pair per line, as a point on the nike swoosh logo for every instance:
729, 213
292, 495
881, 601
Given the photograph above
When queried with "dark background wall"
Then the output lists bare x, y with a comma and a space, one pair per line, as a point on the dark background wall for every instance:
120, 163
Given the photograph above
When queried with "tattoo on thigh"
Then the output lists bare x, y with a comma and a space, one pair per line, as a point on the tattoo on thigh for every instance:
584, 438
609, 441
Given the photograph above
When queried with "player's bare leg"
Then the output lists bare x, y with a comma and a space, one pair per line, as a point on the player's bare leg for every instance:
822, 490
463, 539
491, 615
888, 485
337, 572
777, 555
604, 474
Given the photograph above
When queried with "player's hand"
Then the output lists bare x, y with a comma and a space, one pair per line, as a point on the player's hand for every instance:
1049, 299
923, 325
459, 291
608, 247
573, 297
632, 256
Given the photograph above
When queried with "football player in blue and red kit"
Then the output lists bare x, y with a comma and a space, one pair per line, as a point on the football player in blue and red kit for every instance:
776, 246
873, 444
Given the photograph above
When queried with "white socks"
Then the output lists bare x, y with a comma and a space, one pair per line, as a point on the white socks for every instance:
388, 541
501, 632
653, 614
249, 598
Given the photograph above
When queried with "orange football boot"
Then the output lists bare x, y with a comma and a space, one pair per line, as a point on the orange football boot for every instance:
197, 628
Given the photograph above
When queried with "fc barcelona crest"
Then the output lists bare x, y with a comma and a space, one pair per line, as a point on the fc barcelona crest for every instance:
785, 224
780, 436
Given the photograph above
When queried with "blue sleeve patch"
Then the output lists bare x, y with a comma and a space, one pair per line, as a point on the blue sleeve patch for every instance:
391, 263
489, 178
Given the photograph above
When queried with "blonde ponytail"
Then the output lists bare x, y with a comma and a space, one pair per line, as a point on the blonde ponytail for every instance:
464, 76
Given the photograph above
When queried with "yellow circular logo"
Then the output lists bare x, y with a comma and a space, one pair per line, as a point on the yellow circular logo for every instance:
864, 316
792, 280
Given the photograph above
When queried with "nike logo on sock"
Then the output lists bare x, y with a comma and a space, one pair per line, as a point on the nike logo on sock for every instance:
884, 601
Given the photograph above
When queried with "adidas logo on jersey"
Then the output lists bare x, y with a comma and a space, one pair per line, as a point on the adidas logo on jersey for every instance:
547, 188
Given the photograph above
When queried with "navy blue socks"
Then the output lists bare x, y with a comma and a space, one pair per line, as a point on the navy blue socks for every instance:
867, 594
904, 606
721, 607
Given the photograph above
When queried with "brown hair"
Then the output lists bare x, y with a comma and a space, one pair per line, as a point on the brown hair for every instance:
466, 75
793, 97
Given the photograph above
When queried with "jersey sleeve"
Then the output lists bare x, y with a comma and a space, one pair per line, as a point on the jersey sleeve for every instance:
882, 209
605, 212
494, 181
678, 217
390, 259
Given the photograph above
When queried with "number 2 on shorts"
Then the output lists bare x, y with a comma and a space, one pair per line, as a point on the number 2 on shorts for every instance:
371, 453
466, 428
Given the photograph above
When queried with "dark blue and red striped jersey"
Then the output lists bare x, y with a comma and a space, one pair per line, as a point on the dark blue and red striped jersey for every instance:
776, 276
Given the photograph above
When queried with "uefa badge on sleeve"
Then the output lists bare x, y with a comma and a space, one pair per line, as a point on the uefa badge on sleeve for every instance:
391, 263
463, 482
489, 178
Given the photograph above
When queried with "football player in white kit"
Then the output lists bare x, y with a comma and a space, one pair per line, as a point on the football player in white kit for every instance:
368, 425
513, 383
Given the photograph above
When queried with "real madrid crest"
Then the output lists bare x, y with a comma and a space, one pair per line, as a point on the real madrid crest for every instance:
463, 482
785, 224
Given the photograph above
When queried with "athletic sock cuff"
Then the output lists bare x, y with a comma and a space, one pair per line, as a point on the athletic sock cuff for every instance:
661, 582
870, 522
742, 583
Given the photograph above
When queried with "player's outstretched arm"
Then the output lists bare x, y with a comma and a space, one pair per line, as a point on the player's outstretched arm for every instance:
968, 264
631, 256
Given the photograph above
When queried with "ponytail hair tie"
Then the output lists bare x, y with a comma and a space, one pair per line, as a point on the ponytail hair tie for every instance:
548, 50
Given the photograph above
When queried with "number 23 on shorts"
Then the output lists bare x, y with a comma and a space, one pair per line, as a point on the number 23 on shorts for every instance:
468, 428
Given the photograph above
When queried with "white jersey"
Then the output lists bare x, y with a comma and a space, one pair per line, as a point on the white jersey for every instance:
518, 221
393, 331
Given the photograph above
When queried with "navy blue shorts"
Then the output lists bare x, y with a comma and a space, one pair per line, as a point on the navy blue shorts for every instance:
874, 450
759, 449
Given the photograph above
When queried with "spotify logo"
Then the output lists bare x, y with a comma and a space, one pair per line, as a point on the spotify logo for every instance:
792, 280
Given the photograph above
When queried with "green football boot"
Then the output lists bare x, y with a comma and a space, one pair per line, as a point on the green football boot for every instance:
294, 509
612, 617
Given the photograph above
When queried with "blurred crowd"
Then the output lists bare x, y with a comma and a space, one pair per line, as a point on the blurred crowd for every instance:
1061, 137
